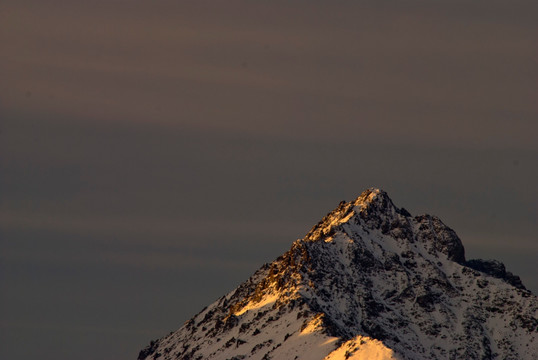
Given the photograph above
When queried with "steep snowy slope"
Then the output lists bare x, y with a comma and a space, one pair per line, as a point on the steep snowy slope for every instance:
369, 281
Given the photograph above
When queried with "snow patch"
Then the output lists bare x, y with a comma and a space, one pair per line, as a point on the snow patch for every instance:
362, 348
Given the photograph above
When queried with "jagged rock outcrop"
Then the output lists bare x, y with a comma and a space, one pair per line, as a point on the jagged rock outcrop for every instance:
369, 281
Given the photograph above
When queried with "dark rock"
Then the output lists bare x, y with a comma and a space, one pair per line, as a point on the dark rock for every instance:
496, 269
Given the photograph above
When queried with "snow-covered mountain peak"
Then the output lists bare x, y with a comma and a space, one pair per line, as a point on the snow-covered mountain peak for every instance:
369, 281
373, 196
374, 211
372, 204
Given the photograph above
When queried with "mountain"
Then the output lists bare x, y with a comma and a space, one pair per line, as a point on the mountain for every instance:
369, 281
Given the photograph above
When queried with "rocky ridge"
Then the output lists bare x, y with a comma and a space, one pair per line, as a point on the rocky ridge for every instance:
369, 281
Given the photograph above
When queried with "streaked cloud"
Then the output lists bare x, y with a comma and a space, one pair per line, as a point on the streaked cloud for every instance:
412, 73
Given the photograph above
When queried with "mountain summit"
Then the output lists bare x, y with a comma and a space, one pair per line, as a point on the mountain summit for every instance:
369, 281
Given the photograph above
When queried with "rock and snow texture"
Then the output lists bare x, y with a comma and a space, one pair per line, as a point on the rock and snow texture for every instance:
369, 281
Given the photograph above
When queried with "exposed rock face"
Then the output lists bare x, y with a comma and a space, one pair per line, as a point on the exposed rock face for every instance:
496, 269
369, 281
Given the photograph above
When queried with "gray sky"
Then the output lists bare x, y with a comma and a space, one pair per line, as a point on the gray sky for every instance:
154, 154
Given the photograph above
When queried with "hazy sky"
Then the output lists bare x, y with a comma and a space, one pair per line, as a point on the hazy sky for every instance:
153, 154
